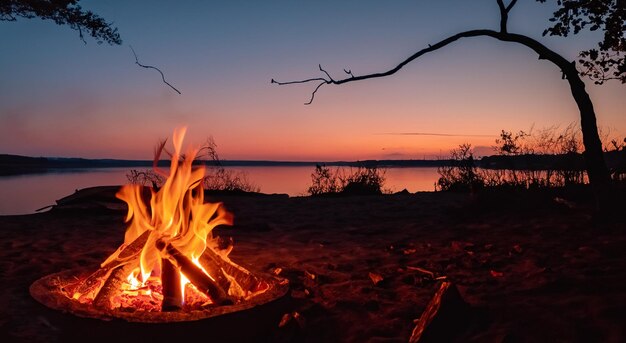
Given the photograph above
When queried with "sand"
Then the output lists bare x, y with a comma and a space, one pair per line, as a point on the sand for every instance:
532, 269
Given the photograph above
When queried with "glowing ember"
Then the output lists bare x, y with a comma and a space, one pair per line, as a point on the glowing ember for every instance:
170, 259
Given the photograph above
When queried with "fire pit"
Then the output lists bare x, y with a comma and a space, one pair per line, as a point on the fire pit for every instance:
170, 268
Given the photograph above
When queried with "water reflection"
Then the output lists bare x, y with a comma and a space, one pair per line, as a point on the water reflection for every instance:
23, 194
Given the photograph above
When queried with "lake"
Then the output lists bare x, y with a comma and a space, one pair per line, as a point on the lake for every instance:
23, 194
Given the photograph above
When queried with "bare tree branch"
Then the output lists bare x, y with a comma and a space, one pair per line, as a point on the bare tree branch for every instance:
508, 8
501, 5
392, 71
325, 72
155, 68
298, 81
504, 15
544, 53
322, 80
313, 94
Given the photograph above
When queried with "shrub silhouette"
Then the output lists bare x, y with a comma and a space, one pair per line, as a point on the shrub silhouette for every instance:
217, 178
360, 181
461, 174
546, 158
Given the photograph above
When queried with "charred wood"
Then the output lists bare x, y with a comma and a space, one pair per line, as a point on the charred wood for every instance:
245, 279
172, 291
215, 270
113, 284
94, 282
203, 282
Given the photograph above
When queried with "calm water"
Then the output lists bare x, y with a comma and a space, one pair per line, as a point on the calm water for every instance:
24, 194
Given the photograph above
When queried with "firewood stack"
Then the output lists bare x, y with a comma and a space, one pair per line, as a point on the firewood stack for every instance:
224, 282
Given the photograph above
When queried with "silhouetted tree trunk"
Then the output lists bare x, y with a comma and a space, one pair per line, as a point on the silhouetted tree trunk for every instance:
599, 176
597, 170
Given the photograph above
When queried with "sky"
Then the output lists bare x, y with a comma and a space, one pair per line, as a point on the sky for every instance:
62, 98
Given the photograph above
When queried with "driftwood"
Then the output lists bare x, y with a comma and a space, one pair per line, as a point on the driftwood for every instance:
195, 274
170, 281
445, 315
94, 282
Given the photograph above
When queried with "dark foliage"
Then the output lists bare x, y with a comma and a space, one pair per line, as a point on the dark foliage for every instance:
145, 178
324, 181
608, 60
461, 174
62, 12
217, 178
542, 159
363, 181
360, 181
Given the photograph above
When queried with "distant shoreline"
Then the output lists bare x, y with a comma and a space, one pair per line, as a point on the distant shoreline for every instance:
15, 164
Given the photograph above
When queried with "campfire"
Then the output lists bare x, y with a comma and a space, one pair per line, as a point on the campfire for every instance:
170, 266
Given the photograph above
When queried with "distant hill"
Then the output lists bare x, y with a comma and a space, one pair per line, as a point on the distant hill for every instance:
15, 164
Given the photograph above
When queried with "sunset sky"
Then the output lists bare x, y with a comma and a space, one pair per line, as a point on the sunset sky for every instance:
60, 97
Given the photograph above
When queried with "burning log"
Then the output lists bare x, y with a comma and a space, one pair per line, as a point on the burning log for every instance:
203, 282
243, 277
113, 285
172, 291
93, 283
213, 268
164, 236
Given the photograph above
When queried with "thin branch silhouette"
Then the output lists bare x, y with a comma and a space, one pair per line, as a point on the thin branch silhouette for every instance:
323, 82
152, 67
502, 35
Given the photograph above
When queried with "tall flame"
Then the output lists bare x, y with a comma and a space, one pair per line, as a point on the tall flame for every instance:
177, 213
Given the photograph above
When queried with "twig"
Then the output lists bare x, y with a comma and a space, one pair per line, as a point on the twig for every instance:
422, 270
325, 72
155, 68
323, 82
80, 35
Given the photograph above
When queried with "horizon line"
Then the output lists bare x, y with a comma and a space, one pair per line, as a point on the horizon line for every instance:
433, 134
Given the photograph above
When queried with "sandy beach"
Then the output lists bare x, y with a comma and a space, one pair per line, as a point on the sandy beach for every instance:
531, 268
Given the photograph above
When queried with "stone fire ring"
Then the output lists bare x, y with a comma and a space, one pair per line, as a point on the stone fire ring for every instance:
47, 291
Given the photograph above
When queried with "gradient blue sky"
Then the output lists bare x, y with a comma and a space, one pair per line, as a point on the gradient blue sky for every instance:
60, 97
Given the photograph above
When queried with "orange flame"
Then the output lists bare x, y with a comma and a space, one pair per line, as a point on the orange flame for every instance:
177, 214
